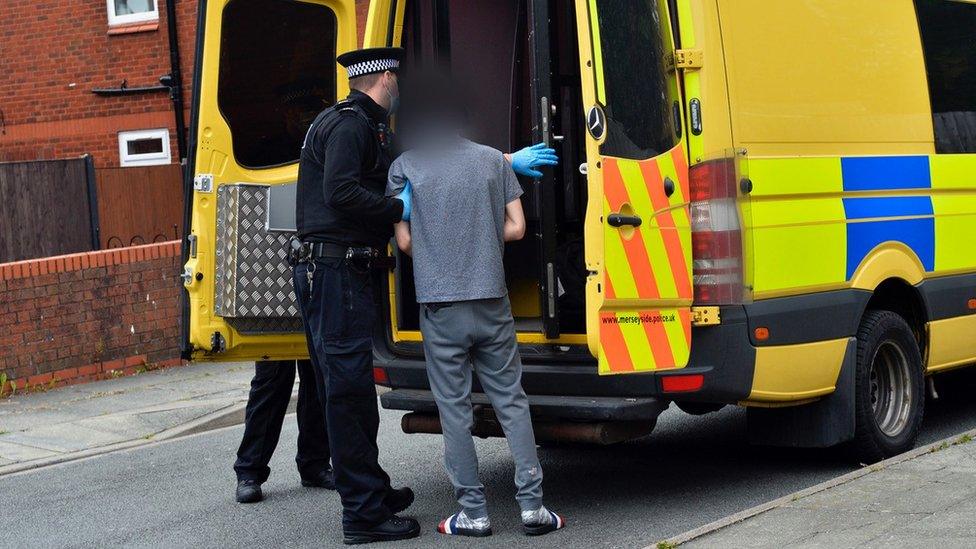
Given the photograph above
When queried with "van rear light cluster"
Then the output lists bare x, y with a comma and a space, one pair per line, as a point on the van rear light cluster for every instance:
716, 237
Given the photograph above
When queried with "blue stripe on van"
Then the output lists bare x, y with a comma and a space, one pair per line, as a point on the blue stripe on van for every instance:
863, 208
864, 236
882, 173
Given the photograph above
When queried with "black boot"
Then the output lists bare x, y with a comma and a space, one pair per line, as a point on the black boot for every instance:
322, 479
393, 529
398, 500
249, 491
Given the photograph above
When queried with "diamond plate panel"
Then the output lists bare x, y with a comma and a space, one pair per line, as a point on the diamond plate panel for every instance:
253, 276
267, 325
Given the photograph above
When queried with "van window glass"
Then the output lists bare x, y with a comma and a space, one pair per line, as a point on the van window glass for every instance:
640, 124
277, 72
948, 36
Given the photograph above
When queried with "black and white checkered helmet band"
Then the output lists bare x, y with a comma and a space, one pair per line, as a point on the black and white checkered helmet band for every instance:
369, 67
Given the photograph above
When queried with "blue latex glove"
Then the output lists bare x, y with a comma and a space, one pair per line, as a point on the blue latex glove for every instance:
525, 161
406, 196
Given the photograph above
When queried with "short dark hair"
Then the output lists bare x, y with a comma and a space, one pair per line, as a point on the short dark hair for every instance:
365, 82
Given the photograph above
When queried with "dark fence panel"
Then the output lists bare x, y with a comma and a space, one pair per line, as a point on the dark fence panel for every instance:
139, 205
46, 209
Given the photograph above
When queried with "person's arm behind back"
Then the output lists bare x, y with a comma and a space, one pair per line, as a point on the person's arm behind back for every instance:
395, 184
403, 240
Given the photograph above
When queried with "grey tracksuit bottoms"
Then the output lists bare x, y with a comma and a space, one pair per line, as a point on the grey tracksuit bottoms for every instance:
479, 336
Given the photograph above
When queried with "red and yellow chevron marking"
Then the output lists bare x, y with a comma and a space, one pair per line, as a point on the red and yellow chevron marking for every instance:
644, 340
652, 264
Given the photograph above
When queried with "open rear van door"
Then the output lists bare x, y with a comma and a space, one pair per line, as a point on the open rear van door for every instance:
638, 236
264, 70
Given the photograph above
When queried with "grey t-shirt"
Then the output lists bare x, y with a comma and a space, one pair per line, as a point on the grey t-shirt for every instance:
460, 190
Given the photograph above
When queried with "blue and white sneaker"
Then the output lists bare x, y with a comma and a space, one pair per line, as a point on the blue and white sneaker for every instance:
541, 521
462, 525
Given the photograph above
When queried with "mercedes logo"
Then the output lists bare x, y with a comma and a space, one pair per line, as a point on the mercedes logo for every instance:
596, 122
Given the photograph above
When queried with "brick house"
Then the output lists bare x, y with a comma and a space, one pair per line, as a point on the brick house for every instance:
84, 77
73, 318
65, 64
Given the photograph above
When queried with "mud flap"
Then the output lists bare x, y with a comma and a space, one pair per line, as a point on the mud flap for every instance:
826, 422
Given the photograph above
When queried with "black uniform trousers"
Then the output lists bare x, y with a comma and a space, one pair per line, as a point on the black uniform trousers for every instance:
339, 311
266, 406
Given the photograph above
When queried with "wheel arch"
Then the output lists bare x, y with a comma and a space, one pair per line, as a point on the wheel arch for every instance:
904, 299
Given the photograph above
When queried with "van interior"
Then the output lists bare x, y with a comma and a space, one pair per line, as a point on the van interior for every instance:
487, 45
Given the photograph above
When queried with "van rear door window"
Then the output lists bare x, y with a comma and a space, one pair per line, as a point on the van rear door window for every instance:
277, 72
639, 118
949, 44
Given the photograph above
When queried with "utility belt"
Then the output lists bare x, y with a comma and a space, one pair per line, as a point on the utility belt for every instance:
360, 257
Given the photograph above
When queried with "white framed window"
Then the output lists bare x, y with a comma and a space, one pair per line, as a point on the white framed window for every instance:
121, 12
144, 148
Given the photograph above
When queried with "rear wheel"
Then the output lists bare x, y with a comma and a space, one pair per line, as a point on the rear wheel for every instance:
889, 387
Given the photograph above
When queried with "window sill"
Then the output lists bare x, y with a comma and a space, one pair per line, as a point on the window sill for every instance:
131, 28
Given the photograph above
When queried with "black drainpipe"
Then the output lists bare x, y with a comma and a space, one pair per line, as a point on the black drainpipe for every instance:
175, 80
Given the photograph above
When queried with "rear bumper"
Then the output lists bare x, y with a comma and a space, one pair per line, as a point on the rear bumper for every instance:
543, 406
570, 387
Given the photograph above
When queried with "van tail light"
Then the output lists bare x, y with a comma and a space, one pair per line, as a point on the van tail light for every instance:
716, 237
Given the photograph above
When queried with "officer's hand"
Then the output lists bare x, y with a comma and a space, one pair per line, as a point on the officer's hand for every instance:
406, 196
525, 161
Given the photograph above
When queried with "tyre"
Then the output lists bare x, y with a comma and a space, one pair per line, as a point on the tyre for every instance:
889, 396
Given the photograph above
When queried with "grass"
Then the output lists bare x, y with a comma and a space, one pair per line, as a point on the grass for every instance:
665, 545
2, 432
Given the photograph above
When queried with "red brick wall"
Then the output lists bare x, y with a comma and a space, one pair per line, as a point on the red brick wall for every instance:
48, 45
84, 316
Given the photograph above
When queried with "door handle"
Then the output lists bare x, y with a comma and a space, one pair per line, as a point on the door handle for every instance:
619, 220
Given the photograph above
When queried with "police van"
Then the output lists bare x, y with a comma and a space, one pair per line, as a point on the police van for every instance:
762, 204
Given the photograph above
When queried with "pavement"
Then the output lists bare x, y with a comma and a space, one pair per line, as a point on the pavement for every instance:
692, 471
923, 498
42, 428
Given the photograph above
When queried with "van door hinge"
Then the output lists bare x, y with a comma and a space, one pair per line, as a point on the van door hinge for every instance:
705, 316
203, 183
688, 59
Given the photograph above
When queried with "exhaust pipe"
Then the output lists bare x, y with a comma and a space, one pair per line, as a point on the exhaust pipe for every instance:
601, 433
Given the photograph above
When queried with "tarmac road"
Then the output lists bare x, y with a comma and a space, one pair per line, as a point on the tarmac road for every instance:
691, 471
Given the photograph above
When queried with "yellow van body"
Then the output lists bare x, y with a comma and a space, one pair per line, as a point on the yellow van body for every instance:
811, 119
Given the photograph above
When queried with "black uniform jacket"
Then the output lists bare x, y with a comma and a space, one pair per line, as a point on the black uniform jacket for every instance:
342, 179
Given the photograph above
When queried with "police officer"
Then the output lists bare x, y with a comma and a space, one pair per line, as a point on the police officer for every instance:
344, 223
266, 406
273, 381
